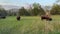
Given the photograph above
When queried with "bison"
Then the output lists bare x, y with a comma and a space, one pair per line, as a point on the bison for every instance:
18, 18
2, 17
44, 17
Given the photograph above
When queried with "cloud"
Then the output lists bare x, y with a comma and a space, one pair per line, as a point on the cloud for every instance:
9, 4
23, 2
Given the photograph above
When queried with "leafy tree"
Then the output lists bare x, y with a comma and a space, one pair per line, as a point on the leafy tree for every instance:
36, 5
37, 10
3, 11
55, 9
23, 12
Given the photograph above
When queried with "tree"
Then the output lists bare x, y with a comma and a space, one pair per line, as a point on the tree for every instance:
2, 11
55, 9
37, 10
36, 5
23, 12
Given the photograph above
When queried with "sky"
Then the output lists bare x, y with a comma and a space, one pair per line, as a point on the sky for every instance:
23, 2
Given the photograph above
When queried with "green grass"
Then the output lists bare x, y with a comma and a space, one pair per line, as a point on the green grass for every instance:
30, 25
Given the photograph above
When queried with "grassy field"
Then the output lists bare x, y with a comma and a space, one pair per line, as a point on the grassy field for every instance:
30, 25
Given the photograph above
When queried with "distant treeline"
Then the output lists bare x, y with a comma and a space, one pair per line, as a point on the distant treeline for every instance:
37, 10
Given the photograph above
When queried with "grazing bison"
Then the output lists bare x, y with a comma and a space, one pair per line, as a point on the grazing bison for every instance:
18, 18
45, 17
3, 17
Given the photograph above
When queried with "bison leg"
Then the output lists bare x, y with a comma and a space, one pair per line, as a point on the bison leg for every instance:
50, 19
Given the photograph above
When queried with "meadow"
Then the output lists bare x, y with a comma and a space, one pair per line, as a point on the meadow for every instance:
30, 25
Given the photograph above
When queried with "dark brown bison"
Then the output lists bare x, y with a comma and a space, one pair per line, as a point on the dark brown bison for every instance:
2, 17
46, 18
18, 18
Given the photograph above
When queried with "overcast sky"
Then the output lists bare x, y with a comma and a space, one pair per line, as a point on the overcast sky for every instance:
23, 2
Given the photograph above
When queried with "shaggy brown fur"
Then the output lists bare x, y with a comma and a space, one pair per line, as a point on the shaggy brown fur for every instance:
46, 17
18, 18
